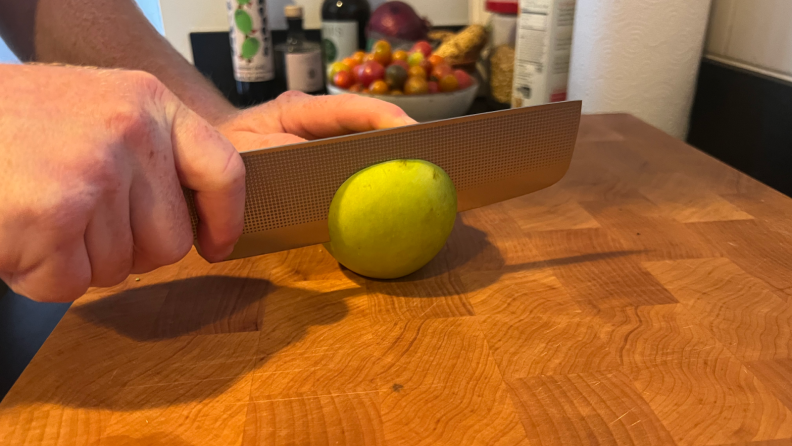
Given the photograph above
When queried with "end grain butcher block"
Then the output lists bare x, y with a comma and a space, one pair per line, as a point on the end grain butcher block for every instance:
646, 299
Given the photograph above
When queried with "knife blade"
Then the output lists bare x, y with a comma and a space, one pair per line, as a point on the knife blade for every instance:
490, 157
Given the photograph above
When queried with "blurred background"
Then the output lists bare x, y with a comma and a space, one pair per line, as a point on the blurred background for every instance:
717, 74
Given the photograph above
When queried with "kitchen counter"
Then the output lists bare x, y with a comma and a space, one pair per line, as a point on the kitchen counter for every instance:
645, 299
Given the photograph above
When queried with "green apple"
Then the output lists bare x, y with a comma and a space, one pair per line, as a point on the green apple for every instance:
390, 219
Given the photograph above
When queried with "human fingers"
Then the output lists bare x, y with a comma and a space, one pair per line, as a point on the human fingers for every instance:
62, 276
313, 117
245, 141
108, 240
208, 164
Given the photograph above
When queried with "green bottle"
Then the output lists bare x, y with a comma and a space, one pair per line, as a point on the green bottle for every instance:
252, 52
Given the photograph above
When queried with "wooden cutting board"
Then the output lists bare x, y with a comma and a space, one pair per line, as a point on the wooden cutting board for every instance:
643, 300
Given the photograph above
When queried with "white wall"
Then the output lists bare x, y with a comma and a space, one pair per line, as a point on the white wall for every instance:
752, 34
181, 17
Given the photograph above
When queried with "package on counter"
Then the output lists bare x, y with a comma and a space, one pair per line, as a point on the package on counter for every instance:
543, 49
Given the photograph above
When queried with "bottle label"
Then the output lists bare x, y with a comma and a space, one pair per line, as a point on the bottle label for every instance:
339, 38
251, 41
304, 71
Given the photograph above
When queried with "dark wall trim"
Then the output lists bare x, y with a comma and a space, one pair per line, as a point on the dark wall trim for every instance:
744, 119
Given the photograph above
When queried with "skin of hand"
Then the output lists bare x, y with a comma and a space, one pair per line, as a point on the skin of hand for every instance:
93, 163
295, 117
115, 34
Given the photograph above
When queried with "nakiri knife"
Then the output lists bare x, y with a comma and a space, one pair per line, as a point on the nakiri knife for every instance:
490, 157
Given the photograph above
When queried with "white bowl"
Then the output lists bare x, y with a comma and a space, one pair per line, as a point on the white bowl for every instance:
426, 107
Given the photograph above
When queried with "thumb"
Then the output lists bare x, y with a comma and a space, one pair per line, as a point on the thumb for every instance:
208, 164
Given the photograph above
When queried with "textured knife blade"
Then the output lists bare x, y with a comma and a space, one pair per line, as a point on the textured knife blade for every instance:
490, 157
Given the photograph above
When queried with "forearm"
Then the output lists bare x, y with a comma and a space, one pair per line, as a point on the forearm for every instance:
114, 34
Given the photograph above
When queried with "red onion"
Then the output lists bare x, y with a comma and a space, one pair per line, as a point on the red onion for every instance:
396, 21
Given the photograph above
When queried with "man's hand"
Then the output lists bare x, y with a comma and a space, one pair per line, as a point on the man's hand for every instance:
294, 117
92, 164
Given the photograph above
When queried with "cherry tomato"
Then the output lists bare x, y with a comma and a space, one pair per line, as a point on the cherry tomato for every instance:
359, 56
379, 87
416, 85
396, 93
369, 57
401, 63
441, 70
335, 67
395, 76
424, 47
415, 58
463, 79
350, 62
343, 79
357, 88
366, 91
382, 52
433, 87
400, 55
427, 67
369, 72
436, 60
356, 73
448, 83
416, 71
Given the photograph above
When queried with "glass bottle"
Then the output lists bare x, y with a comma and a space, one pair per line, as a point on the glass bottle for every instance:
300, 60
251, 51
344, 27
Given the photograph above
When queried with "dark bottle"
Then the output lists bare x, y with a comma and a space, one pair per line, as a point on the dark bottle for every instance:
252, 52
344, 27
299, 61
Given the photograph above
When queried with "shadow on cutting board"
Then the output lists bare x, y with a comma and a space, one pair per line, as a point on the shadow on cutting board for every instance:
173, 342
469, 250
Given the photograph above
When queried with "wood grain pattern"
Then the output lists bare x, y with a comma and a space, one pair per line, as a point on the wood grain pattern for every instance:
315, 419
713, 402
643, 300
742, 312
589, 408
757, 249
597, 269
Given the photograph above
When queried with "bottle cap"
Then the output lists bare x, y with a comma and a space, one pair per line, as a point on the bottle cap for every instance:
293, 11
502, 6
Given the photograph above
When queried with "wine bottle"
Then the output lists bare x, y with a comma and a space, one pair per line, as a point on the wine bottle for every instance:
299, 60
344, 27
251, 50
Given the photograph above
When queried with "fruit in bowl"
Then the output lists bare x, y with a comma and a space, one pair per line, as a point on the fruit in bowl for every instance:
387, 72
423, 84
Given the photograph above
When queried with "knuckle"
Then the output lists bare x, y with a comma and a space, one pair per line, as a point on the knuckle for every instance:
380, 106
179, 248
145, 84
74, 285
234, 171
174, 250
291, 96
131, 124
115, 273
230, 236
102, 174
67, 213
72, 291
347, 98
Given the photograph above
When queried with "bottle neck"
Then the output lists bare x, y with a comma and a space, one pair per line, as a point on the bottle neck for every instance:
295, 31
